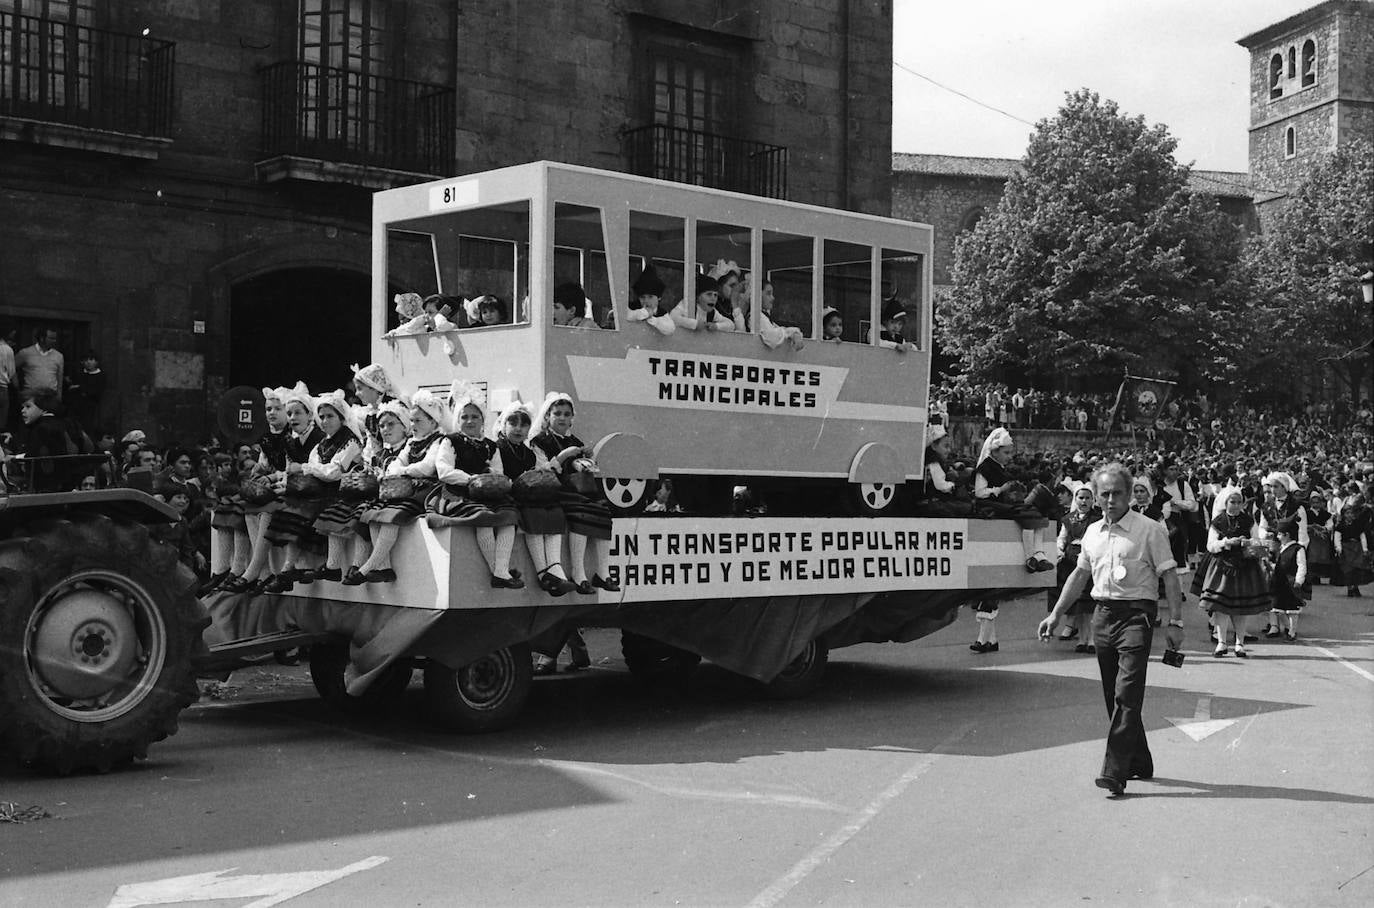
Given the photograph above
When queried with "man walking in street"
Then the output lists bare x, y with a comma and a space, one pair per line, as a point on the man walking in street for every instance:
41, 366
1124, 555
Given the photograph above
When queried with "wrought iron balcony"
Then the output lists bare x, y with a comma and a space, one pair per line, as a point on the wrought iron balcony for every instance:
90, 78
707, 159
345, 117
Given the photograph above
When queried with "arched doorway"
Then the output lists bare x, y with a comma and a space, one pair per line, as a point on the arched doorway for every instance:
304, 324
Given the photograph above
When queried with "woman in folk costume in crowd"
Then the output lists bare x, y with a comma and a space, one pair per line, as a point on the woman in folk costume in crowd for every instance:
419, 462
589, 519
1081, 514
991, 480
1280, 502
1321, 551
543, 524
1144, 500
1234, 586
393, 429
335, 451
271, 467
1288, 584
339, 453
1354, 530
470, 454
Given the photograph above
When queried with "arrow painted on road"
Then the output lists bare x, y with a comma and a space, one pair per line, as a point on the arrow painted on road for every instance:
1202, 725
268, 888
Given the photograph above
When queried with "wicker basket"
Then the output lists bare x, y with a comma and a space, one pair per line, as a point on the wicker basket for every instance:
303, 485
394, 488
536, 487
359, 486
257, 491
489, 488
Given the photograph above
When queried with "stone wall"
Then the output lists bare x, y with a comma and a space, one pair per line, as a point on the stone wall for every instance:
947, 203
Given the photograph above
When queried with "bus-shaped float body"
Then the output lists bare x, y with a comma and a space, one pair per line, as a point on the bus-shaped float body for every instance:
708, 408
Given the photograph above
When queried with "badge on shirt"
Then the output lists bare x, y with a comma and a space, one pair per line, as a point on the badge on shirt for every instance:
1119, 572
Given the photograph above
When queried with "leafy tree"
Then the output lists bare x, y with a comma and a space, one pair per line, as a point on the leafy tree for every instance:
1305, 273
1097, 259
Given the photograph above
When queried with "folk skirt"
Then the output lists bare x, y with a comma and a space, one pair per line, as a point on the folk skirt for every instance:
449, 507
1235, 586
584, 515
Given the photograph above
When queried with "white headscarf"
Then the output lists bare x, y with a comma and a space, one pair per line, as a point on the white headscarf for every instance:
460, 395
1143, 481
301, 395
1225, 495
1282, 479
338, 401
935, 432
375, 377
997, 438
511, 409
553, 397
433, 405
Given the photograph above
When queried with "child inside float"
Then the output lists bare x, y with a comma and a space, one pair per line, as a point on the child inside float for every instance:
264, 477
698, 312
393, 429
331, 448
589, 518
647, 304
339, 454
540, 517
832, 325
471, 495
405, 486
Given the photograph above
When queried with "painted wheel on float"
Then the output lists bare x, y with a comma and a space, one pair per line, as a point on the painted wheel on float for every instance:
628, 497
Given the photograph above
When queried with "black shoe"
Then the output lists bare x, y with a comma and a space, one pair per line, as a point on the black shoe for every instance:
545, 666
382, 575
1251, 638
329, 573
282, 583
1354, 593
584, 588
552, 584
1272, 632
978, 646
214, 583
609, 586
1145, 774
507, 583
309, 576
1116, 787
1037, 564
1082, 648
354, 577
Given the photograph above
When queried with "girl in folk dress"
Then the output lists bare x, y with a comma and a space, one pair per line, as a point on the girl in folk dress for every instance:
1289, 581
393, 428
340, 452
991, 480
374, 388
417, 461
1321, 554
232, 548
331, 449
589, 520
1354, 528
1082, 513
544, 525
271, 466
1280, 503
469, 454
1234, 587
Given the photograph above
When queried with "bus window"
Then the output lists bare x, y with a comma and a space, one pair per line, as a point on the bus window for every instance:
724, 252
483, 258
788, 266
658, 241
411, 267
901, 274
848, 287
579, 257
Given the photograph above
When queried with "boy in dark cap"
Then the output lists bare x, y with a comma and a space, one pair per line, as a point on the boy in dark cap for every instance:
894, 327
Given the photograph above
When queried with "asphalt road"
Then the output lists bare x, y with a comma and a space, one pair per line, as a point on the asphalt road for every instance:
919, 775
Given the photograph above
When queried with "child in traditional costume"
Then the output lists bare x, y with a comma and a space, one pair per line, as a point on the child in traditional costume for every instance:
231, 550
373, 387
338, 454
471, 454
589, 518
270, 469
1288, 584
1082, 513
417, 462
393, 429
1234, 587
542, 523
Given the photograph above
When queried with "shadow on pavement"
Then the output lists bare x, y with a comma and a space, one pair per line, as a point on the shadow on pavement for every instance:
1211, 790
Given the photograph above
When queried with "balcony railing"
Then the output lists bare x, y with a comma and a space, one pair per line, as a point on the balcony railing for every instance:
354, 118
56, 72
707, 159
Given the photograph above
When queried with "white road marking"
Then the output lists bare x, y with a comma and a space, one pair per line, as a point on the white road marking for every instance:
822, 852
268, 888
1350, 665
1202, 725
703, 794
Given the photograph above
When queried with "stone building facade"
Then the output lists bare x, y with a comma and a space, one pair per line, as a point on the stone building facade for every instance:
186, 185
1311, 90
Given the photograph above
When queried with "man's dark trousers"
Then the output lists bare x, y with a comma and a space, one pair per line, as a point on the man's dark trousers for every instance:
1122, 634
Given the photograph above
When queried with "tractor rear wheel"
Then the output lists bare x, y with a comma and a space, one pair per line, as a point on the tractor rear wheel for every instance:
98, 626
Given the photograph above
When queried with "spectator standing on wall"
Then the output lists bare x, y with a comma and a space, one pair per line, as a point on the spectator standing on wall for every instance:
41, 367
8, 376
1018, 409
86, 390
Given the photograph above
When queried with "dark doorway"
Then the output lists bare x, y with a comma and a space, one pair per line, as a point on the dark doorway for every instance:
299, 324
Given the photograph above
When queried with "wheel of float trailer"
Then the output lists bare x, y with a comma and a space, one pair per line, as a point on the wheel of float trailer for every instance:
484, 695
872, 499
98, 627
656, 663
628, 497
328, 662
802, 675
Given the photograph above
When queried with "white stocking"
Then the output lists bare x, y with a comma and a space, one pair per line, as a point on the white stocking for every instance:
221, 550
553, 553
577, 557
261, 550
243, 551
505, 544
534, 544
381, 552
486, 541
338, 552
362, 549
601, 555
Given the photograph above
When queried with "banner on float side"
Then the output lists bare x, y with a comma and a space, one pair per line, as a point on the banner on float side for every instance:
687, 558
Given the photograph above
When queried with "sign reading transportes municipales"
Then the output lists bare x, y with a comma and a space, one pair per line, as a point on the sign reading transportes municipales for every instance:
666, 559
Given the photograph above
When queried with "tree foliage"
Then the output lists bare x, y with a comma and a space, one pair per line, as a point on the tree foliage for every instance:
1097, 259
1304, 271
